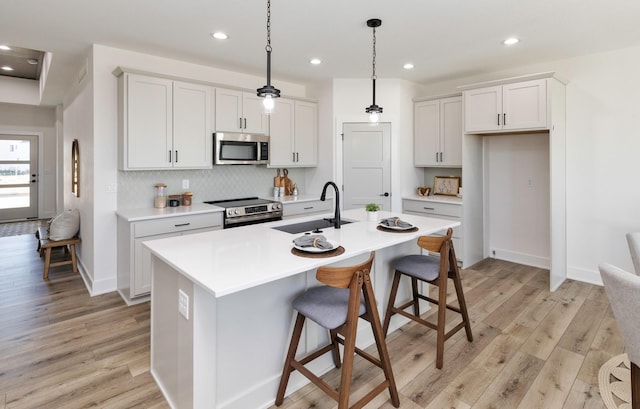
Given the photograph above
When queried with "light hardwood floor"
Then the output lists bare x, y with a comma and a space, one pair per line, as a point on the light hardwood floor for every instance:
60, 348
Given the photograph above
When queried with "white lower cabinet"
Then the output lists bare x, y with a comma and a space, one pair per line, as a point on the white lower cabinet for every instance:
134, 259
449, 211
306, 208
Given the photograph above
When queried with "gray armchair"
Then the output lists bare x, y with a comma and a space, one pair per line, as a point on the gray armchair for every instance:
623, 291
633, 239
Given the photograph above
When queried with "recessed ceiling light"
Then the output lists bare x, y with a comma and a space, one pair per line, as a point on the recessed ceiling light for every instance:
4, 47
219, 35
315, 61
32, 61
408, 66
7, 68
510, 41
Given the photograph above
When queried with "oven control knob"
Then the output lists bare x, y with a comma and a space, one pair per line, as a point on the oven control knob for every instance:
277, 206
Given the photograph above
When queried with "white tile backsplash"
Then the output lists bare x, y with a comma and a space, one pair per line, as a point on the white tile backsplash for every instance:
136, 188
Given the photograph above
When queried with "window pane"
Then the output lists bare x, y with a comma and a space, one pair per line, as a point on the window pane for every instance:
14, 150
14, 174
12, 197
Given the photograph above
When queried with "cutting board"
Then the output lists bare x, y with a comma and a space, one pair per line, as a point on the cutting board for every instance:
287, 183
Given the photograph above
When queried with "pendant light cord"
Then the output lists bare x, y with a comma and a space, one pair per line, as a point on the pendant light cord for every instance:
268, 46
373, 76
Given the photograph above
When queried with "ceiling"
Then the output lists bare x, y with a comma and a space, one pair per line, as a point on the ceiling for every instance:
444, 39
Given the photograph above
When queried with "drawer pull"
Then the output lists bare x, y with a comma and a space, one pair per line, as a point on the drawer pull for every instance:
429, 208
182, 224
308, 208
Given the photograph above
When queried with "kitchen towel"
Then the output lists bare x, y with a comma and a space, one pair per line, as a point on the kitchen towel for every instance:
395, 222
317, 241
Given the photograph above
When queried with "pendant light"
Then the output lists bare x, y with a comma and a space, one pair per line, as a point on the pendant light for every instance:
374, 111
268, 92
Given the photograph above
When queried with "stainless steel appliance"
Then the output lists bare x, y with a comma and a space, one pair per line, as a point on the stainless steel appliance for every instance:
250, 210
240, 149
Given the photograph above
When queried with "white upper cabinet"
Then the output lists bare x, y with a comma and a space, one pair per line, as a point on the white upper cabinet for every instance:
438, 132
293, 133
164, 124
192, 130
516, 106
239, 111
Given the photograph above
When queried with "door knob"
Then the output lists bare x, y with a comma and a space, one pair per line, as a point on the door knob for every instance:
385, 194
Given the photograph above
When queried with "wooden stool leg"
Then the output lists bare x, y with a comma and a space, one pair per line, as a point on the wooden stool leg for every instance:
442, 313
635, 386
392, 300
347, 364
416, 300
293, 347
379, 337
47, 262
460, 294
74, 261
333, 334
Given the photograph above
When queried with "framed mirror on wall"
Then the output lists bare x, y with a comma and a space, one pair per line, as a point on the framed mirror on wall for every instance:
75, 168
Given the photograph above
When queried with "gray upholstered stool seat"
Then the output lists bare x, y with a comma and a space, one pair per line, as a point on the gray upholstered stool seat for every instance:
425, 268
326, 306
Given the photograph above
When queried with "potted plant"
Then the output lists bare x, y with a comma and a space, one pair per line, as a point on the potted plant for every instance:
372, 211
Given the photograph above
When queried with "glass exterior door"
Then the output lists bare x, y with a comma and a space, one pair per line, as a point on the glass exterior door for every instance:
18, 177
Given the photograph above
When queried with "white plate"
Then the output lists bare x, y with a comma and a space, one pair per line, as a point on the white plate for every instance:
311, 249
396, 227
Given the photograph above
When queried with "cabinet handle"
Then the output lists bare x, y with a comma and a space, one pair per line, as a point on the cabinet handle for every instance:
498, 119
504, 119
240, 123
440, 156
308, 208
429, 208
245, 123
176, 156
169, 156
182, 224
297, 157
436, 156
293, 156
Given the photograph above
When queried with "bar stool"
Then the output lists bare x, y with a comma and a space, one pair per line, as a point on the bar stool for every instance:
336, 306
435, 271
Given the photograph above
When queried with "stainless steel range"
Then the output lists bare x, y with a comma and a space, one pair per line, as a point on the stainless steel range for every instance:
250, 210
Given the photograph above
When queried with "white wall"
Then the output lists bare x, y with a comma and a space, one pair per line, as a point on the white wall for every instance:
516, 186
37, 120
602, 148
352, 96
77, 123
19, 91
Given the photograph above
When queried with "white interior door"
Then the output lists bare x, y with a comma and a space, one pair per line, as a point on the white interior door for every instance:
18, 177
366, 161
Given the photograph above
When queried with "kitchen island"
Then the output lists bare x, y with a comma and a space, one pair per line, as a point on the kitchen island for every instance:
234, 287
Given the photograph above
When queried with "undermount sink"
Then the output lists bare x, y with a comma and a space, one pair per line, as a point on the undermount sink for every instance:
309, 226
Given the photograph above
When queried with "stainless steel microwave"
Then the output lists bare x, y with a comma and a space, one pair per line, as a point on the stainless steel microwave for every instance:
232, 148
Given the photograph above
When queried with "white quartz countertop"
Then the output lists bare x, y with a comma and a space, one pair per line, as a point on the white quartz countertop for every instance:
150, 213
227, 261
435, 198
297, 199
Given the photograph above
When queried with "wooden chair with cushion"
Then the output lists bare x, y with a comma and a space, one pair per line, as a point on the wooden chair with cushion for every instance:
336, 306
434, 270
623, 291
633, 240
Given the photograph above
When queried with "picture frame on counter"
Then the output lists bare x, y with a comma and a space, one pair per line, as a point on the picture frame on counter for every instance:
446, 185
